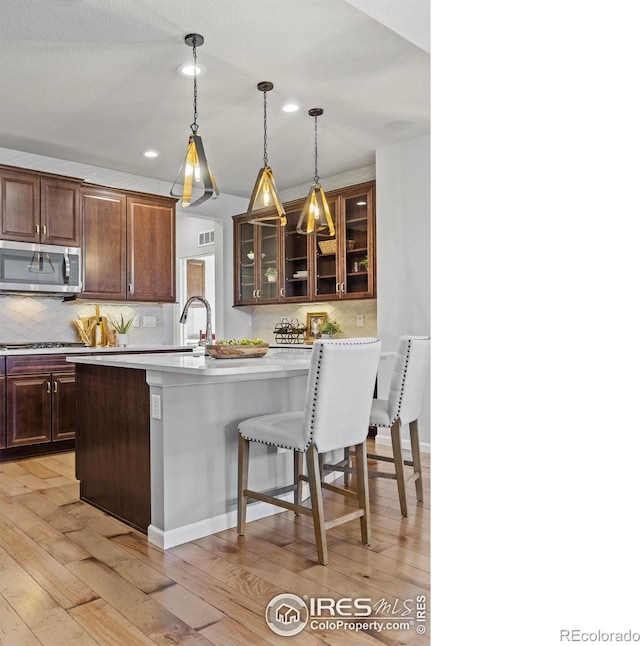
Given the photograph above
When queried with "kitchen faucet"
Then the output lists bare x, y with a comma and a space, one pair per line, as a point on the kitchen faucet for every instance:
208, 336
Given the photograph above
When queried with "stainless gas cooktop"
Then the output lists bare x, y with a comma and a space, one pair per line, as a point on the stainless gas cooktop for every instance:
37, 345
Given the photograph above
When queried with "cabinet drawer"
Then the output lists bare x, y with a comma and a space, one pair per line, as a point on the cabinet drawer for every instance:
34, 364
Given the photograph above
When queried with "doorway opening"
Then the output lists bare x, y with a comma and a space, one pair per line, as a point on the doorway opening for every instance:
197, 278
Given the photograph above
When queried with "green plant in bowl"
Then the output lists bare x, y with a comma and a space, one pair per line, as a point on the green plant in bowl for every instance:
121, 326
330, 328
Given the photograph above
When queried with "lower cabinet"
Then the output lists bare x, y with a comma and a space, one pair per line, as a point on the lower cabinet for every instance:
3, 433
40, 402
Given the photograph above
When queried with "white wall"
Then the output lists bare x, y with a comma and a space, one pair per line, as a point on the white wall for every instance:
403, 249
228, 321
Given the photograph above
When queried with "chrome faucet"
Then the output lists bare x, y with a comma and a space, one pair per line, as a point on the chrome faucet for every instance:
208, 335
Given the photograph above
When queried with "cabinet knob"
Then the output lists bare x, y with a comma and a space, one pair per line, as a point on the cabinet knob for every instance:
44, 229
55, 387
48, 387
130, 288
37, 228
282, 292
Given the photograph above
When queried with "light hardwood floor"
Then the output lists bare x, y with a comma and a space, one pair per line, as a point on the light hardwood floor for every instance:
71, 575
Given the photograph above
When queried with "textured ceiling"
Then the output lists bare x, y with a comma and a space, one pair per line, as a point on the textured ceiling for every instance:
95, 81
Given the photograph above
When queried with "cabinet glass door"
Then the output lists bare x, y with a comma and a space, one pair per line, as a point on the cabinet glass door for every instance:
267, 264
328, 258
296, 260
247, 250
356, 277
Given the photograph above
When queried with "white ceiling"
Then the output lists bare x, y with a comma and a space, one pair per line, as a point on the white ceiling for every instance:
95, 81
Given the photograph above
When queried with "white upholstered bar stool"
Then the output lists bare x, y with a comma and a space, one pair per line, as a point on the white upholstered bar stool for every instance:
336, 415
402, 407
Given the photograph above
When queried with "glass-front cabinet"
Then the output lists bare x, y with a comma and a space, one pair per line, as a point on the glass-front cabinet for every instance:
257, 249
297, 251
279, 265
345, 268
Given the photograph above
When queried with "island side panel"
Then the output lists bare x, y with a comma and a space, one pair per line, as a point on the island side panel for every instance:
112, 442
194, 449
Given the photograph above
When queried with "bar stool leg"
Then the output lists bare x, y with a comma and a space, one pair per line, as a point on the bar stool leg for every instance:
415, 456
243, 479
297, 472
315, 485
347, 463
396, 444
363, 492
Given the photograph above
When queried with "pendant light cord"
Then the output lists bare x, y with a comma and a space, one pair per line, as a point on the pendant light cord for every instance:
266, 161
316, 177
194, 125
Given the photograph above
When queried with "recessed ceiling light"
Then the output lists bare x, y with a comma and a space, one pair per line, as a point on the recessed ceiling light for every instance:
290, 107
187, 69
150, 153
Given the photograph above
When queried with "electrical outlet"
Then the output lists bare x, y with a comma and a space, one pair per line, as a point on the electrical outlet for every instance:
148, 321
360, 320
136, 321
155, 407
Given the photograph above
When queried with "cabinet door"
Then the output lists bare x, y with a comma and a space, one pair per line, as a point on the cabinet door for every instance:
104, 244
267, 269
357, 230
150, 250
297, 270
63, 406
328, 258
257, 249
3, 433
28, 410
19, 206
246, 251
60, 212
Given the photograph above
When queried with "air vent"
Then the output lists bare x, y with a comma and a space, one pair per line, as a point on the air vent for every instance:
206, 238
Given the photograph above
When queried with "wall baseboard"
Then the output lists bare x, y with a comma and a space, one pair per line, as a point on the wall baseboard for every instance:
385, 440
165, 539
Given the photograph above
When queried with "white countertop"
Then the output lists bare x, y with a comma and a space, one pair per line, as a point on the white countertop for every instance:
276, 360
84, 350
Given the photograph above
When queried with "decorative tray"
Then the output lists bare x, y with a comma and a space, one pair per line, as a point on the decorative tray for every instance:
234, 351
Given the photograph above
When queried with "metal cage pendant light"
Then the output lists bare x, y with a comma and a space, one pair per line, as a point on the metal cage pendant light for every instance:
316, 216
194, 183
264, 206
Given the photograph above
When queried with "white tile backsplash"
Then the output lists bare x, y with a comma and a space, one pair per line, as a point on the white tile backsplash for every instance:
266, 317
25, 319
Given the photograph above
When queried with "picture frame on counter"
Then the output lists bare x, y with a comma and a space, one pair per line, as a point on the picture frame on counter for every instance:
314, 322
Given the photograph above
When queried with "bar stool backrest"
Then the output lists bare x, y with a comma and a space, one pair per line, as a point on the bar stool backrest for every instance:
339, 392
409, 376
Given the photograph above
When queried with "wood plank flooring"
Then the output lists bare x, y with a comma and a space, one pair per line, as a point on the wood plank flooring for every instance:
69, 574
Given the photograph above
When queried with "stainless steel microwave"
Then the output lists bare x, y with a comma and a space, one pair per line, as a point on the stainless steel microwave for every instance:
27, 267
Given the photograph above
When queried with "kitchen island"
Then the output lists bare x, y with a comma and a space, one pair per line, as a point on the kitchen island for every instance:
156, 441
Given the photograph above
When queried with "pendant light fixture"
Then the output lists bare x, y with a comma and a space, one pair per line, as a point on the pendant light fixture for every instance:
194, 183
264, 206
316, 216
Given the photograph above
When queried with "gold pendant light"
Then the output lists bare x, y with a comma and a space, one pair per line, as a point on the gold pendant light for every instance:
194, 183
264, 206
316, 216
